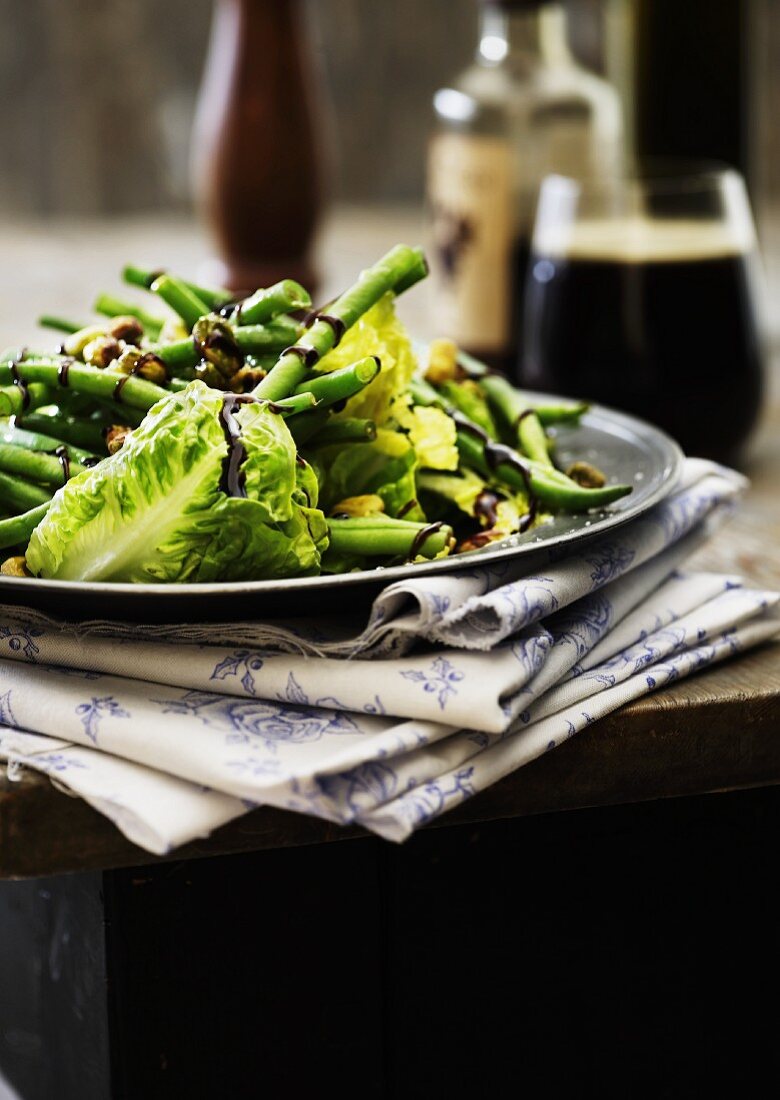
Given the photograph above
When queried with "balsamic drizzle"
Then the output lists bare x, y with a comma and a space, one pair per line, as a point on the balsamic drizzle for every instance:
21, 385
336, 323
498, 454
521, 416
233, 479
220, 341
120, 385
63, 455
485, 506
421, 536
62, 372
308, 356
147, 359
406, 508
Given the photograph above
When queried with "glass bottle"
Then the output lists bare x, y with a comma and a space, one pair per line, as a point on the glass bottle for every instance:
523, 109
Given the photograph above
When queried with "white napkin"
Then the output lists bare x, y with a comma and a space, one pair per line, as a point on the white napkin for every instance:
451, 683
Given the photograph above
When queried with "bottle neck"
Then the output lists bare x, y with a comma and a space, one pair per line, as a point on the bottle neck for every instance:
529, 37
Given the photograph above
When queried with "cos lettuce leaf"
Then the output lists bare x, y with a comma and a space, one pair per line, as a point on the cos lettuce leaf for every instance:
155, 510
386, 466
433, 435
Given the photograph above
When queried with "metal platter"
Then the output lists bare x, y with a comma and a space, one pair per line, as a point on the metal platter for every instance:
626, 448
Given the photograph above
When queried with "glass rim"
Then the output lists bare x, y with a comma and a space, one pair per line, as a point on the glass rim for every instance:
655, 175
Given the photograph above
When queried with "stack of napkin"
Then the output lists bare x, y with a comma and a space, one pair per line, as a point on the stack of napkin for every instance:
449, 684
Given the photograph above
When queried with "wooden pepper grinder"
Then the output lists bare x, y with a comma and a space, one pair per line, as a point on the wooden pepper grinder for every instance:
255, 163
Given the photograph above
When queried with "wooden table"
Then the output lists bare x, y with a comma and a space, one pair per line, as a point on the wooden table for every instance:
265, 913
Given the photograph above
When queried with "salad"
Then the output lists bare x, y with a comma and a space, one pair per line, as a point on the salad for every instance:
256, 439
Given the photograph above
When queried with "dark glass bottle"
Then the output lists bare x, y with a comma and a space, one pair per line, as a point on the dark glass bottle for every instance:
256, 169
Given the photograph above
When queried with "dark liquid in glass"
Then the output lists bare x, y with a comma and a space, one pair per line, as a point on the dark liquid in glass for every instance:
673, 339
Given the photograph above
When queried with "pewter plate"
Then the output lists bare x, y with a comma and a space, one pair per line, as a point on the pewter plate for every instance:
629, 450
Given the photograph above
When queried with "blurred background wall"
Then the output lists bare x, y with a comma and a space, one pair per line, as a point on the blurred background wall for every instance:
98, 95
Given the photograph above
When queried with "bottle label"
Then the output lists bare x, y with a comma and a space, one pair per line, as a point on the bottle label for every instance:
470, 197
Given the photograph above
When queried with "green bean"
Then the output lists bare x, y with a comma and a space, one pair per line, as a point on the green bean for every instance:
135, 392
560, 414
555, 491
284, 297
521, 420
17, 529
214, 297
304, 427
349, 430
298, 403
183, 355
180, 298
397, 270
15, 399
20, 495
109, 306
59, 324
27, 435
38, 466
341, 384
383, 536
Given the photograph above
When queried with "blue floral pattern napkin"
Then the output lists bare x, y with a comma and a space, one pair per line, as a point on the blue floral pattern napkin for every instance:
450, 683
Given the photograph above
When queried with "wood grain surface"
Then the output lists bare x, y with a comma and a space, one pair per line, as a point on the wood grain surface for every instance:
717, 731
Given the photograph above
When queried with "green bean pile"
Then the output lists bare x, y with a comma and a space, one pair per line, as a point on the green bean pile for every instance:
456, 457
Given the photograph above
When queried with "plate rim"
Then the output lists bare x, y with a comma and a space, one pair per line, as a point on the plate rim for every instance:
668, 478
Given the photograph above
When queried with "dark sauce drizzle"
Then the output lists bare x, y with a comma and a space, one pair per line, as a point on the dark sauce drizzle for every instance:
63, 370
407, 508
336, 323
136, 368
21, 385
521, 416
485, 506
121, 383
498, 454
308, 356
63, 455
233, 479
421, 536
219, 340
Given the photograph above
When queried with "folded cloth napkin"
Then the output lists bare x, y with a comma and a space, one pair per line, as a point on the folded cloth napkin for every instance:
449, 683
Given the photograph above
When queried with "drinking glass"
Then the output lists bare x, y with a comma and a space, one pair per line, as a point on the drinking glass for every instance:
643, 294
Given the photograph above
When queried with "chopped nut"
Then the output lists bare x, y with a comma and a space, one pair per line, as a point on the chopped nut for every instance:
173, 329
442, 361
102, 351
246, 379
216, 342
128, 329
127, 361
589, 477
369, 504
77, 341
15, 567
152, 368
209, 374
116, 436
145, 364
